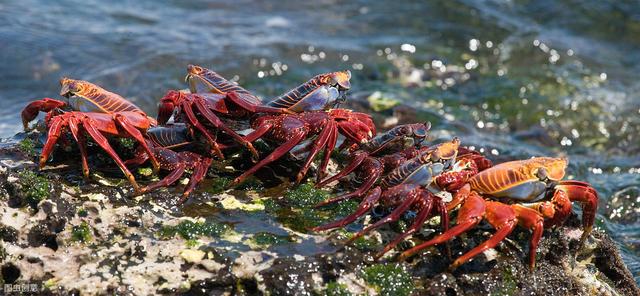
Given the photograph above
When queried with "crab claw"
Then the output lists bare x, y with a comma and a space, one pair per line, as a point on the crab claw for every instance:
167, 105
30, 112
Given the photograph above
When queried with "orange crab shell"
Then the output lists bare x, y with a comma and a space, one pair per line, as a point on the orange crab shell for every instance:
85, 96
520, 179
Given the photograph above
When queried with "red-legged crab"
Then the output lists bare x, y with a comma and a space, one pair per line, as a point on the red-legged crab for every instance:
289, 130
529, 193
96, 112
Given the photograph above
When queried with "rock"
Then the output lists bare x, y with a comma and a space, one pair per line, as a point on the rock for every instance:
8, 233
149, 246
10, 273
192, 256
290, 277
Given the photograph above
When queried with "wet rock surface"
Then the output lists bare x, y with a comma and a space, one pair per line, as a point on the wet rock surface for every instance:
93, 237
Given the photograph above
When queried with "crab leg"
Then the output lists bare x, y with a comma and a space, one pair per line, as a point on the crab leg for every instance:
215, 121
128, 126
259, 132
469, 215
584, 193
171, 178
89, 126
276, 154
53, 135
364, 206
186, 107
407, 191
425, 203
331, 144
138, 159
503, 218
318, 144
199, 173
371, 179
530, 219
352, 166
82, 145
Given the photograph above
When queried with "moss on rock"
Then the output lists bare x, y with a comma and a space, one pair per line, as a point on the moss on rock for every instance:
389, 279
81, 233
34, 188
190, 230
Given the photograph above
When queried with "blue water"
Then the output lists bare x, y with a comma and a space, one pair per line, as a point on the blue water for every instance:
514, 78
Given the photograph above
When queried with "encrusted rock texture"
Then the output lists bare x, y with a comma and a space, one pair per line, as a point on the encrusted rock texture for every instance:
74, 236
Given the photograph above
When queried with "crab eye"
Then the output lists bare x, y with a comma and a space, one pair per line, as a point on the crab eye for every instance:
541, 173
193, 69
78, 87
331, 80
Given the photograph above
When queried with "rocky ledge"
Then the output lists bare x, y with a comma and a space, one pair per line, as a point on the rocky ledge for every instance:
62, 234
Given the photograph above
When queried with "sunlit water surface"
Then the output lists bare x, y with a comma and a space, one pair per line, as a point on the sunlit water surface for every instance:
514, 80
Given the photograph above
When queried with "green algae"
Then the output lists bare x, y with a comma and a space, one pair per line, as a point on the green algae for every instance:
28, 147
190, 230
192, 243
305, 195
265, 240
219, 185
127, 143
82, 212
34, 188
297, 209
81, 233
335, 289
388, 279
365, 244
509, 285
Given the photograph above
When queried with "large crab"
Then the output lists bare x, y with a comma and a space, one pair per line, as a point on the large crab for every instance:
407, 187
213, 97
322, 92
97, 112
290, 130
530, 193
80, 96
373, 159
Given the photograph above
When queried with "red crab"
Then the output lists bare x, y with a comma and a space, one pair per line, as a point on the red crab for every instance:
98, 113
370, 165
539, 198
161, 140
291, 129
217, 97
407, 187
322, 92
81, 96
